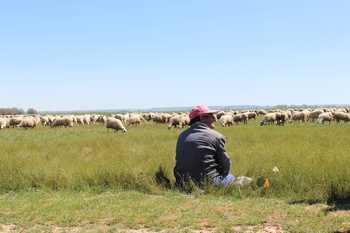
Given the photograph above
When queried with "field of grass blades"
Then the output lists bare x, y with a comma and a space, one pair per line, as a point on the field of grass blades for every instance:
312, 159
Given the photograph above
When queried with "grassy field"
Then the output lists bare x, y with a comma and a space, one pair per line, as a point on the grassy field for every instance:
84, 179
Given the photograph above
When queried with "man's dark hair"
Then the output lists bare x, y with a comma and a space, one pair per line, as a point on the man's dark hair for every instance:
195, 119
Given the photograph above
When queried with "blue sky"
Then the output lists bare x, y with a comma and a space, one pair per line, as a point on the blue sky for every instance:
91, 55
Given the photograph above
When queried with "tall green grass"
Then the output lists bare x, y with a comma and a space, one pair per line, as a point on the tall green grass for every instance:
313, 160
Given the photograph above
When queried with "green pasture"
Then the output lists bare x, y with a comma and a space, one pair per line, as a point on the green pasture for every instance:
86, 160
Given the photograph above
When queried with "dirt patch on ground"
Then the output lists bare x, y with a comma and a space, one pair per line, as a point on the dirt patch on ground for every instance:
264, 228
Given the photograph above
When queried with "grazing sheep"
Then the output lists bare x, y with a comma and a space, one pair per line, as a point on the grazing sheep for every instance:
93, 118
252, 115
87, 119
341, 116
51, 119
314, 114
285, 116
3, 123
175, 121
226, 119
186, 119
327, 116
120, 117
245, 118
261, 111
269, 118
237, 118
6, 123
44, 120
147, 116
220, 114
27, 122
303, 116
159, 118
289, 113
62, 121
115, 124
135, 119
100, 119
79, 119
15, 121
126, 117
181, 120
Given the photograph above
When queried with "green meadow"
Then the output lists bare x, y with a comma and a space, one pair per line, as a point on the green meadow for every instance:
85, 179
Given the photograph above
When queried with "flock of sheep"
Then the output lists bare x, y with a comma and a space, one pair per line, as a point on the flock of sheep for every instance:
118, 121
321, 114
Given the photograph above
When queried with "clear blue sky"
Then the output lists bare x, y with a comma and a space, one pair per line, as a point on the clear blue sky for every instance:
91, 55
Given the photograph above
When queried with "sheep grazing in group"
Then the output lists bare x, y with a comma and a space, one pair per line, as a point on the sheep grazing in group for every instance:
281, 117
159, 118
179, 121
303, 116
237, 118
15, 121
226, 119
220, 114
135, 119
121, 117
27, 122
261, 112
79, 119
314, 114
251, 115
3, 123
240, 117
44, 120
327, 116
86, 119
101, 119
62, 121
341, 116
115, 124
269, 118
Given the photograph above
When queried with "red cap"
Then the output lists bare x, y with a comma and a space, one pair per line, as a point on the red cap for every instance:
201, 109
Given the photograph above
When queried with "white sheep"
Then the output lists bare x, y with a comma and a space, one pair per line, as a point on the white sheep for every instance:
62, 121
314, 114
181, 121
87, 119
240, 117
44, 120
302, 115
15, 121
341, 116
27, 122
79, 119
3, 123
281, 117
261, 112
115, 124
120, 117
220, 114
100, 119
252, 115
135, 119
327, 116
159, 118
226, 119
269, 118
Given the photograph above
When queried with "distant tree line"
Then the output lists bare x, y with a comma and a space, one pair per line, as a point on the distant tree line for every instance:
17, 111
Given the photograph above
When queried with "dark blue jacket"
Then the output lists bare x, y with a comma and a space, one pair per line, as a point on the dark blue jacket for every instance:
200, 154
